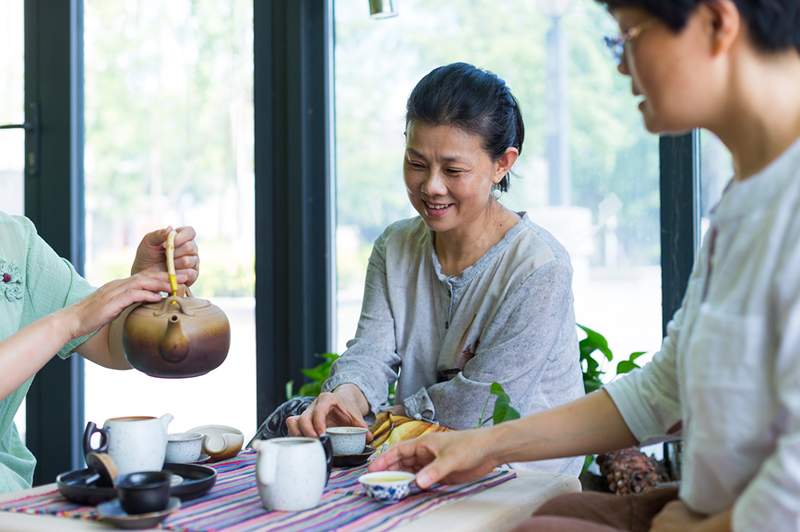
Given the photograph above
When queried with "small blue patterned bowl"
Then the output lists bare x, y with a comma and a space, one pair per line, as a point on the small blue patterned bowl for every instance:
387, 486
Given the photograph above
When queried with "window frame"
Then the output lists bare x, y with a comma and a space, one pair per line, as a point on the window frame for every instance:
295, 218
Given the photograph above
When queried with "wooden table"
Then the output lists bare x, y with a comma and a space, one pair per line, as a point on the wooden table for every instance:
499, 508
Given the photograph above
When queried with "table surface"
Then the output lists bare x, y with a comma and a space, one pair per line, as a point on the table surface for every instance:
499, 508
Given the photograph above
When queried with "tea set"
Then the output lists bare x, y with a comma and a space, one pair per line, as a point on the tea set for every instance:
139, 473
292, 472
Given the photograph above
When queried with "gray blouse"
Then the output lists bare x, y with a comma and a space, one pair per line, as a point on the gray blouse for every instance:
508, 318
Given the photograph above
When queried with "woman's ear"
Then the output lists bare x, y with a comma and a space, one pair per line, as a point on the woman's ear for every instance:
504, 163
724, 24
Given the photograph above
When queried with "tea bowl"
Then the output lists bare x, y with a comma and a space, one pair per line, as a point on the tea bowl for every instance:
184, 447
387, 486
144, 492
347, 440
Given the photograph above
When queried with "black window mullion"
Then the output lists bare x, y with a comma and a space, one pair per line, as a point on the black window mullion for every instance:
680, 214
54, 201
294, 257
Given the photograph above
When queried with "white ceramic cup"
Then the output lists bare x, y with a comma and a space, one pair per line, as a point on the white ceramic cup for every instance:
184, 447
291, 473
135, 443
347, 440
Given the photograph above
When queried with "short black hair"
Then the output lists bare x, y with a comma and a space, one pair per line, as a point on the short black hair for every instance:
473, 100
774, 25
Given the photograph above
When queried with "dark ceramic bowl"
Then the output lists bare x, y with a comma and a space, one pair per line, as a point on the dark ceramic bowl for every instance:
144, 492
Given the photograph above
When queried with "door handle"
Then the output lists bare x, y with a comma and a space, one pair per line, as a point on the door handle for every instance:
31, 127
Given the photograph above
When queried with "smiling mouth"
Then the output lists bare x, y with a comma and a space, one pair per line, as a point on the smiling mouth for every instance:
437, 206
436, 210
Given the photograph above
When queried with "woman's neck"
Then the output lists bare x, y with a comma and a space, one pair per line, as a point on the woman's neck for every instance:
461, 247
763, 114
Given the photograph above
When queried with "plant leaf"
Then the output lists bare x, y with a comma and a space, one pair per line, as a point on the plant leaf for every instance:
289, 390
594, 341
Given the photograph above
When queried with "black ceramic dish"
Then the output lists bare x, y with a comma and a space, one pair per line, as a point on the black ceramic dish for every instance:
144, 492
353, 460
113, 513
197, 480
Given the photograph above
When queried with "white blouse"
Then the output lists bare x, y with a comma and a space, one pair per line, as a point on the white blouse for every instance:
728, 375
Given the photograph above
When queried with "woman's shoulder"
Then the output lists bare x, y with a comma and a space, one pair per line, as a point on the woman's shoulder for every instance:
15, 232
402, 233
536, 246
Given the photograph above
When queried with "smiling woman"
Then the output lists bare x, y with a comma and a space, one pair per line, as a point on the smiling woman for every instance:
467, 293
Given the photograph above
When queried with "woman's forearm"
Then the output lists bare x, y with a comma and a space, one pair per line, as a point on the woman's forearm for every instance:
29, 349
588, 425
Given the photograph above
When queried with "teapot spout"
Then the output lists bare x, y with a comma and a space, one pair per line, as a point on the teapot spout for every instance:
166, 419
174, 346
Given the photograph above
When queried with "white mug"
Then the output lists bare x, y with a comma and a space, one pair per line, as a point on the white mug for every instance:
135, 443
291, 473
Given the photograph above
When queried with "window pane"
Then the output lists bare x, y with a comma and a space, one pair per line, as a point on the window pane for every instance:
169, 141
607, 213
716, 171
12, 105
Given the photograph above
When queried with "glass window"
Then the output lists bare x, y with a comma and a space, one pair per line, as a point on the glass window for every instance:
589, 171
12, 107
169, 141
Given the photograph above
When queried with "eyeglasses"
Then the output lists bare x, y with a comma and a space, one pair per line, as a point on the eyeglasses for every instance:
617, 44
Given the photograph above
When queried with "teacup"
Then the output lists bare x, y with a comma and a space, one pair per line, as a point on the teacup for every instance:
387, 486
184, 447
144, 492
347, 440
135, 443
292, 472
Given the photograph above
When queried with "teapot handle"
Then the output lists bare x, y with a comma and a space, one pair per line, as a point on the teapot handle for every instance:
91, 428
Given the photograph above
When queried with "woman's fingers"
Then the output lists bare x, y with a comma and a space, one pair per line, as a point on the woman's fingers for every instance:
291, 426
183, 235
305, 426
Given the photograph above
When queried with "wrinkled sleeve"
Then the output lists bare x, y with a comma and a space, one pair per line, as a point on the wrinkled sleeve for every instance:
648, 398
52, 283
371, 361
772, 499
514, 350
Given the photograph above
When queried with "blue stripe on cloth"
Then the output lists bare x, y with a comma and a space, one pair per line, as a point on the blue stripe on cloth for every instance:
234, 503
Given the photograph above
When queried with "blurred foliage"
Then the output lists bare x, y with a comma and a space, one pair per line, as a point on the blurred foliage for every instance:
378, 63
593, 343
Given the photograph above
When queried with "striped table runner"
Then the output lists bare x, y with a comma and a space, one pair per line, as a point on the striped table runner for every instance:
234, 504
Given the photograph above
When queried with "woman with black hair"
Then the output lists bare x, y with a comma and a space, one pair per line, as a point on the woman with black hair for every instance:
468, 292
727, 378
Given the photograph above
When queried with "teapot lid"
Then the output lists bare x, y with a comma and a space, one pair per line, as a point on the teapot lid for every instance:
185, 304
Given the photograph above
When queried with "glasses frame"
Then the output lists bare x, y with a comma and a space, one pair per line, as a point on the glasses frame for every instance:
618, 44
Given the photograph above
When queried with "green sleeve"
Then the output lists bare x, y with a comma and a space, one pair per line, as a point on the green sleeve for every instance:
52, 284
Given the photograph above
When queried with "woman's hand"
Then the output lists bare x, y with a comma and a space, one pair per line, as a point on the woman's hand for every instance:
448, 457
341, 408
151, 256
111, 299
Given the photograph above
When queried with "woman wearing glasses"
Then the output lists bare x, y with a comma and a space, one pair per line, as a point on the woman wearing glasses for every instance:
727, 378
47, 309
468, 292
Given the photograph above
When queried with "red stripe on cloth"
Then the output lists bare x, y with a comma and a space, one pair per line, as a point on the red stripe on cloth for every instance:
234, 503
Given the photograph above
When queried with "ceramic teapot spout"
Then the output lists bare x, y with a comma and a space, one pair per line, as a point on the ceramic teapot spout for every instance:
165, 420
174, 346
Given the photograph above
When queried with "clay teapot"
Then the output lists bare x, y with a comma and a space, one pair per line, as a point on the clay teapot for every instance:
181, 336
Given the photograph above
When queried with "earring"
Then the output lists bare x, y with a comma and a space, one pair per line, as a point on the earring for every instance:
496, 193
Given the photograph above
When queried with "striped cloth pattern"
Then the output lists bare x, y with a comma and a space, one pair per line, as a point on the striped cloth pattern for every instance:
234, 503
